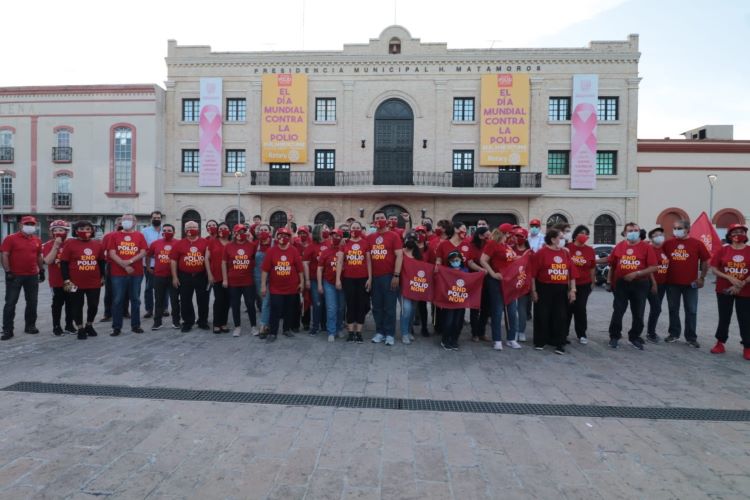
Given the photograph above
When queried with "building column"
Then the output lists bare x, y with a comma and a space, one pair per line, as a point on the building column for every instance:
631, 163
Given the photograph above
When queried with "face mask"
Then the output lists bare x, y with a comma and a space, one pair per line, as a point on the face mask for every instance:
520, 240
28, 229
336, 240
325, 234
224, 233
582, 238
241, 237
633, 236
127, 225
356, 233
392, 223
372, 230
679, 233
83, 234
455, 264
304, 236
264, 236
347, 234
380, 224
534, 231
462, 234
421, 237
62, 235
658, 240
156, 222
168, 236
439, 231
561, 243
568, 235
191, 233
213, 231
739, 238
283, 240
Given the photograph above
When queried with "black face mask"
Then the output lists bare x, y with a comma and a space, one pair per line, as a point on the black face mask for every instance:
156, 222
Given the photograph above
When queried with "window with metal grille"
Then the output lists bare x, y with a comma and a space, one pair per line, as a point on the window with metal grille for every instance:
325, 109
6, 189
556, 219
236, 110
558, 109
607, 109
277, 219
123, 152
191, 161
325, 218
191, 109
463, 160
604, 229
463, 109
235, 160
606, 163
558, 162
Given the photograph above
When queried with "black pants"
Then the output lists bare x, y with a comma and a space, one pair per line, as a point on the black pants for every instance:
30, 286
284, 307
631, 293
742, 306
196, 283
162, 289
357, 299
92, 302
221, 305
550, 314
422, 311
236, 293
478, 317
655, 300
59, 299
577, 310
451, 324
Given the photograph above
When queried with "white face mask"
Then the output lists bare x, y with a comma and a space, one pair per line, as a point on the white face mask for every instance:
28, 229
679, 233
127, 225
658, 240
568, 236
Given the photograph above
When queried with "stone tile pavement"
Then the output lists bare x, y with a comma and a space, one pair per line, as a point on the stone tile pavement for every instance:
56, 446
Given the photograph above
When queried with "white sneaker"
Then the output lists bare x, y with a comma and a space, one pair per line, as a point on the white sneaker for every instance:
406, 339
378, 338
498, 346
331, 338
389, 340
583, 341
513, 344
521, 337
236, 331
254, 331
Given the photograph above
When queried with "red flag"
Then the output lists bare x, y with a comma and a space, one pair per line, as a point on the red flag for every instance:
516, 279
416, 279
703, 230
457, 289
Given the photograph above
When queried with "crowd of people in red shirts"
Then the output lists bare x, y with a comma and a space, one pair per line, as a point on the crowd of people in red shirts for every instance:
324, 279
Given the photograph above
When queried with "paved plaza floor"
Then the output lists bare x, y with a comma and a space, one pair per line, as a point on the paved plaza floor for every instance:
86, 447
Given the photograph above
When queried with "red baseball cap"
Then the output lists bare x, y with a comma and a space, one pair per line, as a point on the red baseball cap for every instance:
303, 229
522, 232
506, 228
732, 227
283, 230
28, 219
420, 228
535, 222
239, 227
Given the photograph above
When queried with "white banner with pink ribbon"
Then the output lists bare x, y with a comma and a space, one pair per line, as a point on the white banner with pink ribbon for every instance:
583, 132
210, 133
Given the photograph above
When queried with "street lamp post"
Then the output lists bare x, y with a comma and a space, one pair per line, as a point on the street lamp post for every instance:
712, 179
2, 204
239, 176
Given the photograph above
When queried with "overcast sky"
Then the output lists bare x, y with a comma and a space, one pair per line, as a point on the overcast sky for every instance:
695, 63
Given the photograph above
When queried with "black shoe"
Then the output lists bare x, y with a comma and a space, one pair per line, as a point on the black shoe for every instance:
186, 328
32, 330
105, 319
71, 329
148, 314
445, 346
560, 350
653, 338
81, 334
295, 330
637, 344
454, 347
271, 338
670, 339
156, 326
165, 313
287, 333
204, 326
90, 331
115, 333
693, 343
350, 337
613, 343
57, 331
262, 335
137, 329
358, 338
7, 336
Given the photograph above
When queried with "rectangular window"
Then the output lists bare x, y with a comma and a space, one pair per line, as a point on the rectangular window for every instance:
325, 167
558, 162
191, 162
191, 109
325, 109
463, 160
463, 109
123, 160
606, 163
236, 110
559, 109
235, 161
607, 109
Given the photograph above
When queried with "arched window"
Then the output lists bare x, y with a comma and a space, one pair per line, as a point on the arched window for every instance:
556, 219
62, 152
63, 183
326, 218
122, 157
6, 190
394, 46
6, 146
278, 219
62, 198
190, 215
605, 229
396, 210
231, 218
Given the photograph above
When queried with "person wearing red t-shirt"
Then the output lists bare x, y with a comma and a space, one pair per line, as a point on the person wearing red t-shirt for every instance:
159, 251
584, 259
335, 302
126, 250
522, 247
658, 284
51, 252
237, 267
453, 236
386, 255
108, 291
310, 255
478, 317
283, 279
553, 287
393, 224
24, 269
214, 259
731, 265
354, 277
188, 268
264, 242
82, 269
496, 256
421, 235
302, 242
688, 265
631, 264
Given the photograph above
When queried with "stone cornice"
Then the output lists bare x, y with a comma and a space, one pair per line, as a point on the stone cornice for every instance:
138, 90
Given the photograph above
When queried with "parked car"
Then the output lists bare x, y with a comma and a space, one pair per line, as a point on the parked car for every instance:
602, 270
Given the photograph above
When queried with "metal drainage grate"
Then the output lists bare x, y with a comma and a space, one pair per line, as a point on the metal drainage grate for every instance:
557, 410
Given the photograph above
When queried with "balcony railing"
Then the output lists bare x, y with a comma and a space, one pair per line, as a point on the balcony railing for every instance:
7, 199
6, 154
62, 200
428, 179
62, 154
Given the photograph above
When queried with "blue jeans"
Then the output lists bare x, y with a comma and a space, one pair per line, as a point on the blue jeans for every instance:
689, 297
497, 312
384, 305
408, 308
316, 306
126, 288
335, 307
265, 308
522, 309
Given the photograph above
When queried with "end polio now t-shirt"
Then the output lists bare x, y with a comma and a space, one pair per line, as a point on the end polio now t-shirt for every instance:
327, 260
584, 259
82, 258
735, 263
190, 255
355, 261
552, 266
660, 276
626, 259
127, 245
160, 250
283, 268
382, 252
684, 255
240, 262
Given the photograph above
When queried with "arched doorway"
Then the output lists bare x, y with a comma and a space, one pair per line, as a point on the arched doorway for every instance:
556, 219
396, 210
668, 217
728, 216
605, 229
326, 218
277, 219
394, 143
231, 218
494, 220
190, 215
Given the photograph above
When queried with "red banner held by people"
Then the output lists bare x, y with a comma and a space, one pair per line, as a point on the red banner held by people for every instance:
516, 279
416, 279
457, 289
703, 230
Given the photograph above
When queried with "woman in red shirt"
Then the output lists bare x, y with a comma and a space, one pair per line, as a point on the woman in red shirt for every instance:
522, 247
496, 256
584, 259
478, 317
427, 256
82, 268
553, 287
214, 258
237, 267
731, 265
283, 279
354, 276
52, 250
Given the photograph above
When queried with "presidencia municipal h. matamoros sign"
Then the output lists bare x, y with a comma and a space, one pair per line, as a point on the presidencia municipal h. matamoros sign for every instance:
504, 115
284, 119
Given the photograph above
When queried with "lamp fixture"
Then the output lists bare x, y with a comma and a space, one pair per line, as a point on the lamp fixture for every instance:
363, 144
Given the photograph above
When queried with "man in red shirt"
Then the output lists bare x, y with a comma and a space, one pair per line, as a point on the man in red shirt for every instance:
24, 268
126, 250
631, 264
658, 284
188, 268
159, 251
283, 276
386, 255
683, 280
51, 252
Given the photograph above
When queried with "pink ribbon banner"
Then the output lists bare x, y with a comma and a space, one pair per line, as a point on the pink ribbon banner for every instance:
583, 132
210, 142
